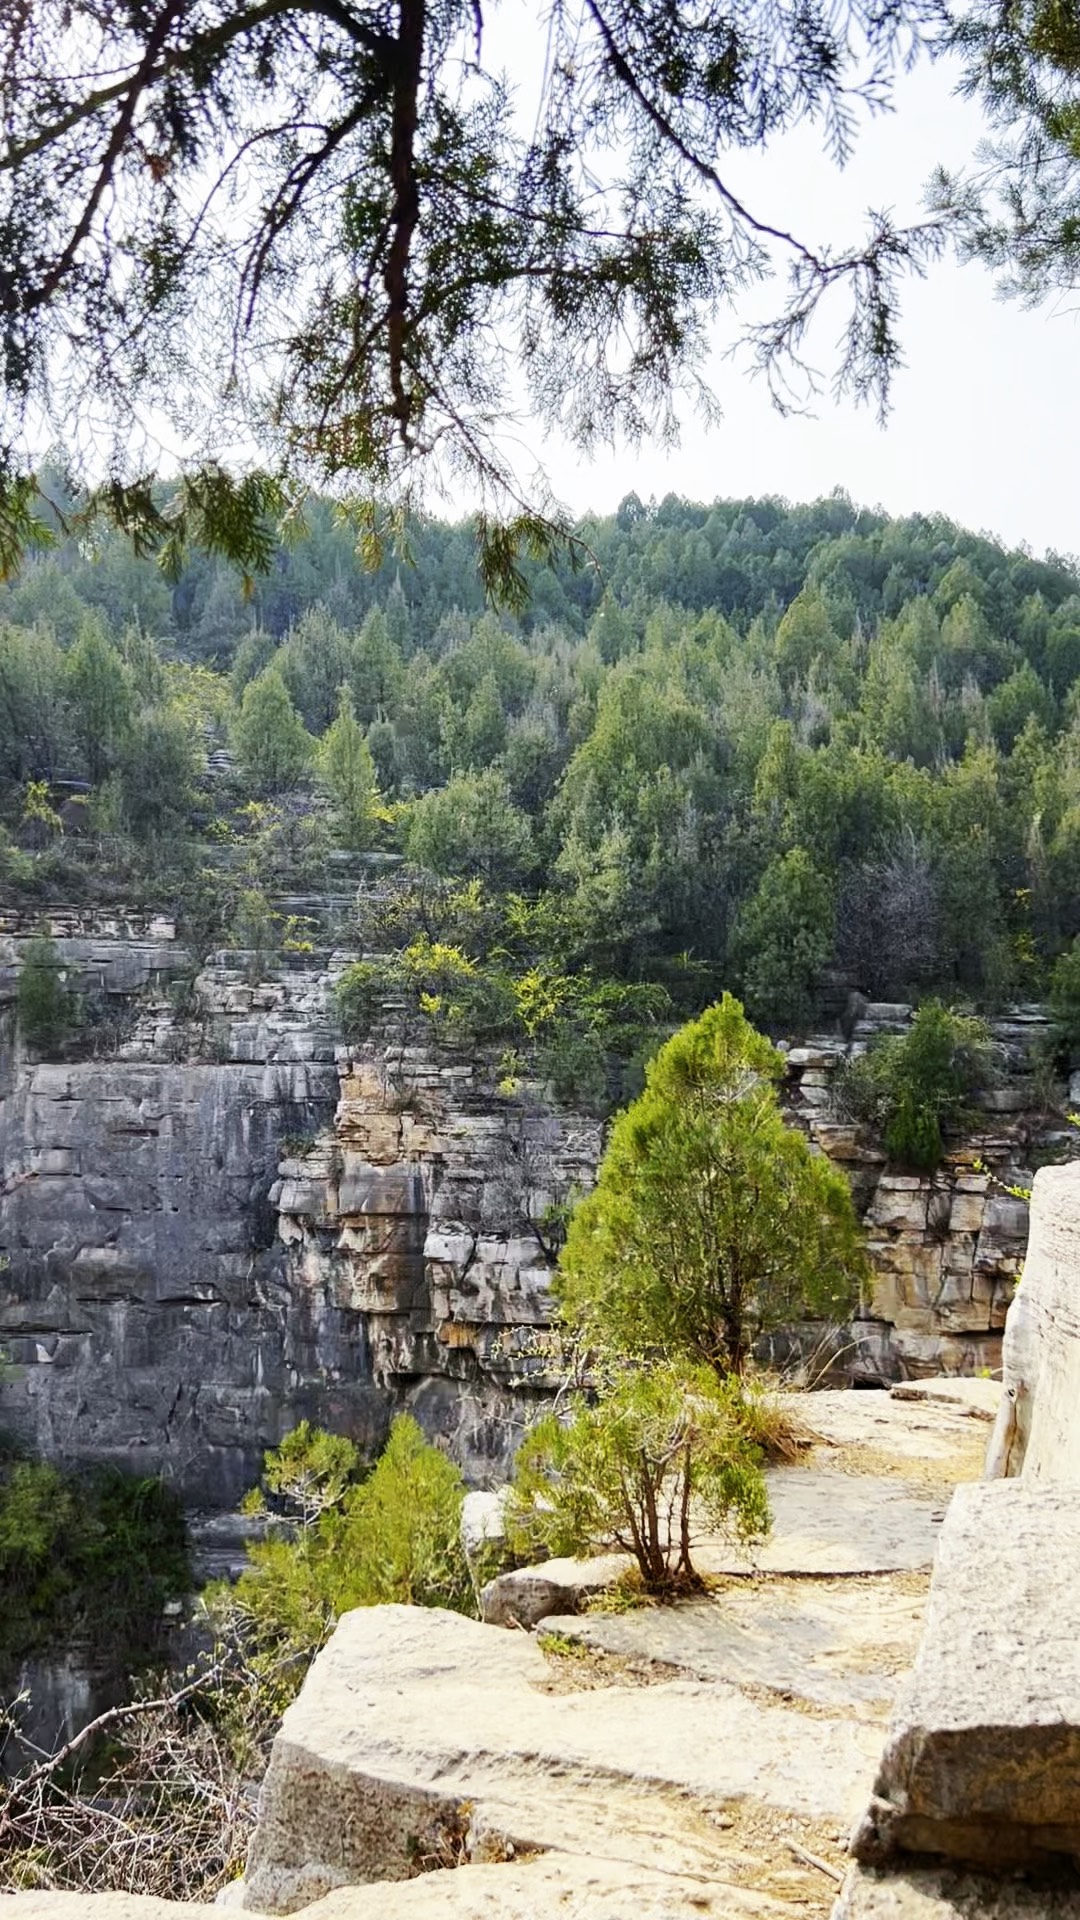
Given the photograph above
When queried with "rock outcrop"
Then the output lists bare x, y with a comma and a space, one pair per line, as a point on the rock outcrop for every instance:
217, 1221
1038, 1432
983, 1756
982, 1759
422, 1737
422, 1215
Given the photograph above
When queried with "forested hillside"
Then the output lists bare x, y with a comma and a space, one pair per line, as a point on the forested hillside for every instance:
742, 745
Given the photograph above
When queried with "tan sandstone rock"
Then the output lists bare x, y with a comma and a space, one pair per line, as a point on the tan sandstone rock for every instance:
983, 1756
942, 1894
541, 1889
420, 1735
1038, 1432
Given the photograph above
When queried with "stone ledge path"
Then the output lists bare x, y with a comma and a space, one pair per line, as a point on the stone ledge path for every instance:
667, 1762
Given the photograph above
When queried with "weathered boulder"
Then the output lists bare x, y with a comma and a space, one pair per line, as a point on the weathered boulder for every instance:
943, 1894
527, 1595
983, 1754
421, 1736
1038, 1433
483, 1521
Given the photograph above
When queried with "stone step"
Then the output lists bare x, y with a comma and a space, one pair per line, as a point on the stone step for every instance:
417, 1729
983, 1755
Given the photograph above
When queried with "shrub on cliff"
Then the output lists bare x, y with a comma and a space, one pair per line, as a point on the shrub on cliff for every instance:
43, 1004
91, 1558
394, 1536
912, 1086
661, 1451
358, 994
711, 1220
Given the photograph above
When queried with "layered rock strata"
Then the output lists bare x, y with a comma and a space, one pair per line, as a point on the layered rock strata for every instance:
215, 1221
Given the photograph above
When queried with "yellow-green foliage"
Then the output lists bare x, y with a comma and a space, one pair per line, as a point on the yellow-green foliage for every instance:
394, 1536
661, 1450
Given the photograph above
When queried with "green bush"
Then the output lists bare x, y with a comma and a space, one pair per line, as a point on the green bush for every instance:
359, 994
92, 1557
394, 1536
661, 1450
911, 1087
44, 1007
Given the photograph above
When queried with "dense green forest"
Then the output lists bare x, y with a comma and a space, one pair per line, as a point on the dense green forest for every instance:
746, 745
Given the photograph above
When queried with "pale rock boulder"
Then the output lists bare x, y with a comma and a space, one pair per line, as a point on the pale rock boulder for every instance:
483, 1521
943, 1894
1038, 1433
983, 1754
549, 1889
421, 1737
526, 1595
542, 1889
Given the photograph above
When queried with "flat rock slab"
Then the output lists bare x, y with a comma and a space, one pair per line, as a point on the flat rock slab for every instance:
983, 1755
825, 1522
419, 1734
979, 1399
904, 1432
943, 1894
839, 1644
542, 1889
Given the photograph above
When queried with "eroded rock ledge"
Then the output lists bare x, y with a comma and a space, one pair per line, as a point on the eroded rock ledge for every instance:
219, 1222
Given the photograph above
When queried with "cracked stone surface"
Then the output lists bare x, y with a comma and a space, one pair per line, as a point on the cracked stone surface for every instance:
414, 1724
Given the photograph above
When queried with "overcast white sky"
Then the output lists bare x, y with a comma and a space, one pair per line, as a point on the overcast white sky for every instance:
986, 415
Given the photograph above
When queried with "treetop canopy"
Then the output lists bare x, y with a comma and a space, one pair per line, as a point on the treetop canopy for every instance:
319, 229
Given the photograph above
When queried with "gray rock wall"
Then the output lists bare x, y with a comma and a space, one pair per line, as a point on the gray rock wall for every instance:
142, 1307
215, 1222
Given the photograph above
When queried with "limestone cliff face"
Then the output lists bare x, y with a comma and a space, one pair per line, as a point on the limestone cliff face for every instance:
142, 1303
422, 1217
217, 1222
219, 1227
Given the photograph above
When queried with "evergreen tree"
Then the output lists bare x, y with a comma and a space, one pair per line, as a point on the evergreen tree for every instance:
783, 940
348, 768
42, 1002
270, 740
710, 1220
